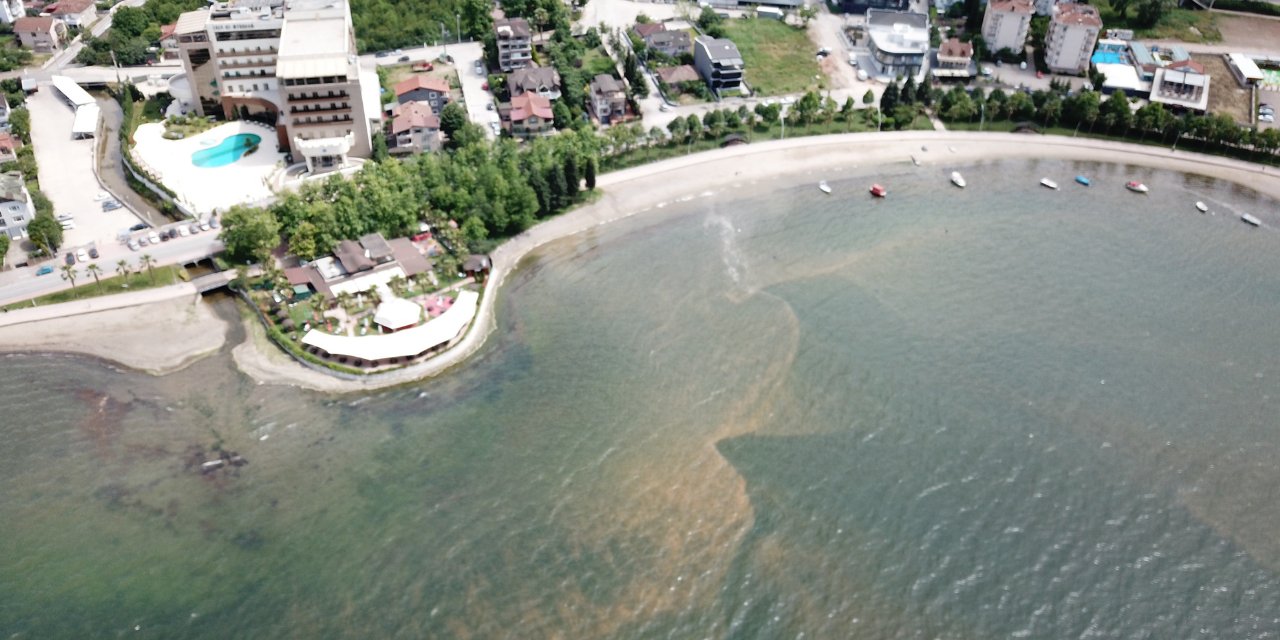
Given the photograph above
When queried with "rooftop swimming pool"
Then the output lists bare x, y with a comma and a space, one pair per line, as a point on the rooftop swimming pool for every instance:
231, 148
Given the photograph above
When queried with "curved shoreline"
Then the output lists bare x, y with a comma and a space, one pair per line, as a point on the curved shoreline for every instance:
639, 189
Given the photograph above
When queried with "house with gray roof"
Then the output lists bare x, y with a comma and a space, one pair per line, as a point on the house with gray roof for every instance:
608, 100
544, 81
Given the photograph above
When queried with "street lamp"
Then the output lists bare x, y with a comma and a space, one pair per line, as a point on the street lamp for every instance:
1175, 142
457, 19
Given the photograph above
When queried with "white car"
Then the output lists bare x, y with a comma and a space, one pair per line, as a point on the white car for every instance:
134, 245
184, 231
1266, 117
153, 237
82, 255
102, 195
67, 225
204, 226
195, 228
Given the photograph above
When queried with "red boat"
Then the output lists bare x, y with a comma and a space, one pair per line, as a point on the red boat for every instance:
879, 191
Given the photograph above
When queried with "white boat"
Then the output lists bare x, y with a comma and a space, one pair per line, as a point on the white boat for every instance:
1136, 187
1202, 207
826, 188
1251, 220
957, 179
1048, 183
915, 161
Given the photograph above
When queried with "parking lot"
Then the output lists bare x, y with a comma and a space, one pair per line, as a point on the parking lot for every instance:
66, 173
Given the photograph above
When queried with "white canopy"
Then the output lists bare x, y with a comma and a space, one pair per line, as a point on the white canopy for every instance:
397, 313
74, 94
407, 343
86, 121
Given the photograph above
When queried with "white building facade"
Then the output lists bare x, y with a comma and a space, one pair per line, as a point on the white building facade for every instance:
1073, 32
1006, 24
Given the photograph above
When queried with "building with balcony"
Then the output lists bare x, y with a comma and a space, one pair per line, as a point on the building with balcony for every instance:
1183, 85
41, 35
1006, 24
719, 63
1073, 32
544, 81
515, 43
16, 207
898, 41
953, 60
415, 128
75, 13
530, 116
291, 66
608, 99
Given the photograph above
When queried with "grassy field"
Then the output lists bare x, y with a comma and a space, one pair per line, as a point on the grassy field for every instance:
779, 58
594, 63
85, 287
1176, 23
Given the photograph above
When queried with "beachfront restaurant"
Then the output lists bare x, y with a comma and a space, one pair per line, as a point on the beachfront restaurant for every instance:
399, 347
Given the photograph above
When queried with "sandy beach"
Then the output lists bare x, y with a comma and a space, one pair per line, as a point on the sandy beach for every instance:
156, 337
650, 187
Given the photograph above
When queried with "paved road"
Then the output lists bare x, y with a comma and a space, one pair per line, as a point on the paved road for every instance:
465, 55
24, 284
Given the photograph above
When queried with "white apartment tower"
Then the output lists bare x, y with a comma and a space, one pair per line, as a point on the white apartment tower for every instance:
293, 65
1006, 24
1072, 34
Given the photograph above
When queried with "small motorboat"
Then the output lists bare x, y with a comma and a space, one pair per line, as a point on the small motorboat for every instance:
879, 191
824, 187
915, 161
1251, 220
1136, 187
1202, 207
957, 179
1082, 180
1045, 182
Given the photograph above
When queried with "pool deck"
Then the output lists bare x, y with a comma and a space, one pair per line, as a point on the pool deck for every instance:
205, 189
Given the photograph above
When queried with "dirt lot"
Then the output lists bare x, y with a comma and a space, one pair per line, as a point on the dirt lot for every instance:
1251, 33
1225, 94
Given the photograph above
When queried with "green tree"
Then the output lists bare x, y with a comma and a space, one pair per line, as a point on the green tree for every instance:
149, 264
1115, 112
807, 13
453, 119
122, 270
869, 98
846, 110
908, 93
379, 146
889, 99
806, 108
1081, 108
250, 233
46, 232
572, 177
591, 174
94, 270
69, 274
20, 124
1151, 11
1020, 106
4, 248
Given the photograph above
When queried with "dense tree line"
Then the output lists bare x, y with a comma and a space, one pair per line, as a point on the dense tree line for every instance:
1091, 112
478, 191
133, 29
44, 230
391, 24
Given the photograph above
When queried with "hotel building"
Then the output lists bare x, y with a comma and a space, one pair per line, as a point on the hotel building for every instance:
1072, 34
292, 65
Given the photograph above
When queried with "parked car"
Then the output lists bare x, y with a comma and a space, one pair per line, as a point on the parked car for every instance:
382, 54
82, 255
184, 231
204, 226
143, 241
134, 245
479, 67
68, 225
153, 237
93, 252
172, 233
138, 227
195, 228
489, 107
45, 270
1266, 118
111, 205
70, 258
213, 222
404, 58
424, 66
65, 217
102, 195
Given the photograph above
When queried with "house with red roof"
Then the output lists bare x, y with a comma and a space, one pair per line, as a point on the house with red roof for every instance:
423, 88
75, 13
529, 116
415, 128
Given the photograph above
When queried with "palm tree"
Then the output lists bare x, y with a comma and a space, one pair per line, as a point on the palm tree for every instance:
147, 261
94, 270
69, 273
375, 296
122, 270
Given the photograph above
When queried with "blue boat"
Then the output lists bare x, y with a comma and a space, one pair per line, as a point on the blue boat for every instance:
1082, 180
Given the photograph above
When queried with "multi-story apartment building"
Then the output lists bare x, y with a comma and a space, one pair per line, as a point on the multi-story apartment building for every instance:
718, 62
515, 43
1006, 24
1072, 35
293, 66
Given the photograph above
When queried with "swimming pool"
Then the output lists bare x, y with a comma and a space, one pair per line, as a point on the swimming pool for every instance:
1108, 57
224, 153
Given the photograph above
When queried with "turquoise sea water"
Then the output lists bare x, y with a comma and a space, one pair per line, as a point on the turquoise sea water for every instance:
231, 148
768, 413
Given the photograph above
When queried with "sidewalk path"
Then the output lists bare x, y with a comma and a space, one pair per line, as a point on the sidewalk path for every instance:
94, 305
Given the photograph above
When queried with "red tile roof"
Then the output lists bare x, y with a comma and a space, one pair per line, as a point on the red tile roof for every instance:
953, 48
66, 7
43, 24
1188, 65
1015, 6
530, 104
8, 142
1077, 14
167, 30
414, 115
422, 81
